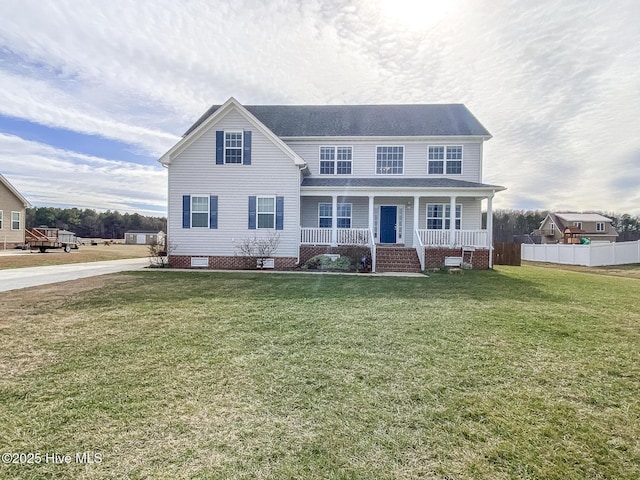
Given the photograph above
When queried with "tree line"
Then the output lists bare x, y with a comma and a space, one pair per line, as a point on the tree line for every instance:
88, 223
518, 225
508, 225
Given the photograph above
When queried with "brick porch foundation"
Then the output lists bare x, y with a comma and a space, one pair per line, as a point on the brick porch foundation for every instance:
434, 257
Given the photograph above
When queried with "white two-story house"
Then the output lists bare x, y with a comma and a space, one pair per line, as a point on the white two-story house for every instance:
407, 177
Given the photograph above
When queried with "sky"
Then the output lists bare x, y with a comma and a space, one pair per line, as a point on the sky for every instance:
92, 93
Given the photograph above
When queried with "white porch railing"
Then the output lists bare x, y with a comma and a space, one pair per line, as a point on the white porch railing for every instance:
353, 236
470, 238
346, 236
315, 236
419, 246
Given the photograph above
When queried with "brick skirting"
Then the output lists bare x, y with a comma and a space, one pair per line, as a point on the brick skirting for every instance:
230, 263
434, 257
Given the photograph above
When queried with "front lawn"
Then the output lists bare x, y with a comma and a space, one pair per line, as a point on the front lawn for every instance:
518, 373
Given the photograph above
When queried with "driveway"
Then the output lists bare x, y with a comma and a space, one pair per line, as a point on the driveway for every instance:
15, 278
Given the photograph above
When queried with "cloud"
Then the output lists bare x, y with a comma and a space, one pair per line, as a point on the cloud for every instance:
555, 83
54, 177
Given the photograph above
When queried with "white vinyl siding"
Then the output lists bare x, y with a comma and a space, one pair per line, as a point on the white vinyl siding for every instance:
271, 173
363, 163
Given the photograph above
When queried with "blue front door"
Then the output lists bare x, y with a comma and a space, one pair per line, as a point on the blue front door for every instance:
388, 221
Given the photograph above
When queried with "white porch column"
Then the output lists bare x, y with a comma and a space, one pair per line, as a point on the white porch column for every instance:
490, 229
371, 216
334, 220
416, 212
452, 221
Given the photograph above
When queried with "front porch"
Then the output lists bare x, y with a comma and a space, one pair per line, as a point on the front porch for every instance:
402, 216
364, 236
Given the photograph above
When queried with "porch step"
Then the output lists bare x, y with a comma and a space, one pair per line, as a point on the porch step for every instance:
397, 259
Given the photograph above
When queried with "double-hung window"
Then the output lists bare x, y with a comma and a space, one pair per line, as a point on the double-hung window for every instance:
600, 227
443, 159
454, 160
232, 147
266, 212
390, 160
335, 160
578, 225
15, 220
436, 160
199, 211
325, 215
1, 220
439, 216
343, 215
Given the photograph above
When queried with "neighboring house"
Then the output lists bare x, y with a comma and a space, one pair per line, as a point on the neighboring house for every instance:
593, 226
12, 215
143, 237
404, 176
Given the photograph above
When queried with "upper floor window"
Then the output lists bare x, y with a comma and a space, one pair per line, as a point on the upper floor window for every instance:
600, 227
443, 159
266, 212
439, 216
1, 220
232, 147
15, 220
578, 225
199, 211
390, 160
335, 160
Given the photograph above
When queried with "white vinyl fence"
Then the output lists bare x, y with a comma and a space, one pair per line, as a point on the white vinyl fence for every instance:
594, 255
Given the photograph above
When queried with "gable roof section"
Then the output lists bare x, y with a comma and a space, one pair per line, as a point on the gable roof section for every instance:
13, 190
565, 220
362, 120
205, 123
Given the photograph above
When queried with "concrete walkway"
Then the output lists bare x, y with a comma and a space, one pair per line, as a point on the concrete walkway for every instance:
15, 278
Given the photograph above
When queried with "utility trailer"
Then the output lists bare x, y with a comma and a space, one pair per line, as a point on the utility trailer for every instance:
43, 239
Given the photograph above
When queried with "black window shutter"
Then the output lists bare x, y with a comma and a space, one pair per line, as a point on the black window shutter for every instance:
213, 211
219, 147
246, 145
186, 211
279, 213
252, 213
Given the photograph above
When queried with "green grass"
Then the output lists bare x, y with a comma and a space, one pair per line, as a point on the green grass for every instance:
518, 373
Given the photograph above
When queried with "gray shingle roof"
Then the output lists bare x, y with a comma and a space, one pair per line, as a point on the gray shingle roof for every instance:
363, 120
394, 182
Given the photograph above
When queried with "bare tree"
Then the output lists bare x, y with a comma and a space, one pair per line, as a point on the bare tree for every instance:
258, 249
159, 253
